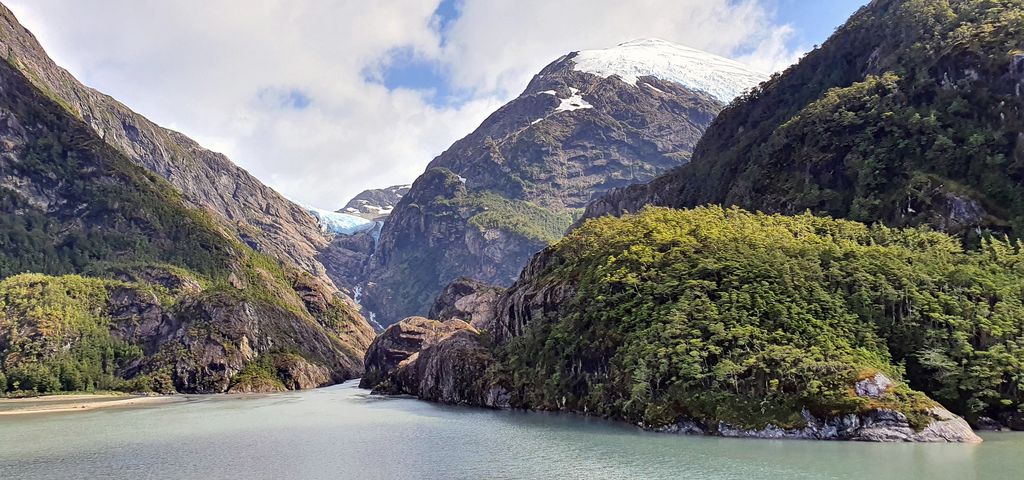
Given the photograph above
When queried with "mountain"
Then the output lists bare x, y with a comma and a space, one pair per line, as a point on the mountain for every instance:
720, 321
376, 204
261, 217
110, 278
911, 114
589, 122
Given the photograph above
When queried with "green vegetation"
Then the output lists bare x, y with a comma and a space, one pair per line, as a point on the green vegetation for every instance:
911, 114
721, 314
55, 334
517, 217
260, 375
110, 209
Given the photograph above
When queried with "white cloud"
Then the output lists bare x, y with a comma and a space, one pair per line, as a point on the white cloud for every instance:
497, 45
280, 86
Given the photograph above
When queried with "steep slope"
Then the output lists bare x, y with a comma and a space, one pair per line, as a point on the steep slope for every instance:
511, 187
377, 203
172, 301
910, 114
262, 218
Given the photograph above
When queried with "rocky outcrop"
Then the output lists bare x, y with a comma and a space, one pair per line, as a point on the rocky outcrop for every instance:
438, 361
377, 203
878, 425
467, 300
346, 259
512, 187
874, 426
400, 342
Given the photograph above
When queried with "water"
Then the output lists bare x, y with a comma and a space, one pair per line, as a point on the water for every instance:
342, 432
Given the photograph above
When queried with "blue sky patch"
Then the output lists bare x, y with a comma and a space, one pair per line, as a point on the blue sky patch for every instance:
284, 98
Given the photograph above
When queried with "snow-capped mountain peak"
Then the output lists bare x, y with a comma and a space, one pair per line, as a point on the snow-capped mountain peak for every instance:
717, 76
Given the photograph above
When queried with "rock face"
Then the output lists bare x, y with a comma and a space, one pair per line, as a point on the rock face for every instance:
438, 361
377, 203
258, 215
797, 144
511, 187
467, 300
222, 336
401, 341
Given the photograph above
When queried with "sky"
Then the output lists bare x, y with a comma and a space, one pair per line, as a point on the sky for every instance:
321, 99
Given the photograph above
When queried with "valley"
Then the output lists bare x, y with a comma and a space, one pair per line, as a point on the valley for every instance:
650, 260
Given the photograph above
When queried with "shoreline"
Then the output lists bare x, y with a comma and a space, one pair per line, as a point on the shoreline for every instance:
76, 403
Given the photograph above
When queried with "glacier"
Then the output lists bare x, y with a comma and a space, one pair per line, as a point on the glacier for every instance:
717, 76
340, 223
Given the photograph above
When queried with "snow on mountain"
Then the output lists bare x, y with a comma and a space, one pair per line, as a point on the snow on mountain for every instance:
340, 223
574, 102
720, 77
377, 203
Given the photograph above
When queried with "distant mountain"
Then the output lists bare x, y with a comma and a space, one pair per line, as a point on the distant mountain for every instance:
375, 204
589, 122
910, 114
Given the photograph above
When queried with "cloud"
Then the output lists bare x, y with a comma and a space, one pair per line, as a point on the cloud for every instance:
495, 46
292, 90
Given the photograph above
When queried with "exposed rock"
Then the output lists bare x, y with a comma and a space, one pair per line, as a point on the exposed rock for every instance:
748, 159
452, 371
468, 300
873, 387
346, 260
298, 374
220, 335
401, 341
874, 426
376, 204
987, 424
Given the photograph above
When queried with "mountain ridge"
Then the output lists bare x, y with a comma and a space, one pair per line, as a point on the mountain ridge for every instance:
262, 217
512, 186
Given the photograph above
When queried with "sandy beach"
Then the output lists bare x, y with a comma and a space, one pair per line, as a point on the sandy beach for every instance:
74, 403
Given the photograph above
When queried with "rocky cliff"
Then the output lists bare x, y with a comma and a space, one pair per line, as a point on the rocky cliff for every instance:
910, 114
510, 188
255, 213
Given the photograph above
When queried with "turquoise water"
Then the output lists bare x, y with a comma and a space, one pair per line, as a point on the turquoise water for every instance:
342, 432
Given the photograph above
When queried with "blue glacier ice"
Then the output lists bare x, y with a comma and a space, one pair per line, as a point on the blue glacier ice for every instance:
340, 223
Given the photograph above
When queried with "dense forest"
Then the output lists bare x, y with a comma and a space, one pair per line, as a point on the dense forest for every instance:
724, 315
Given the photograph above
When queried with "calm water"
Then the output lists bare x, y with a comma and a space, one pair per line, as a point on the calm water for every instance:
342, 432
